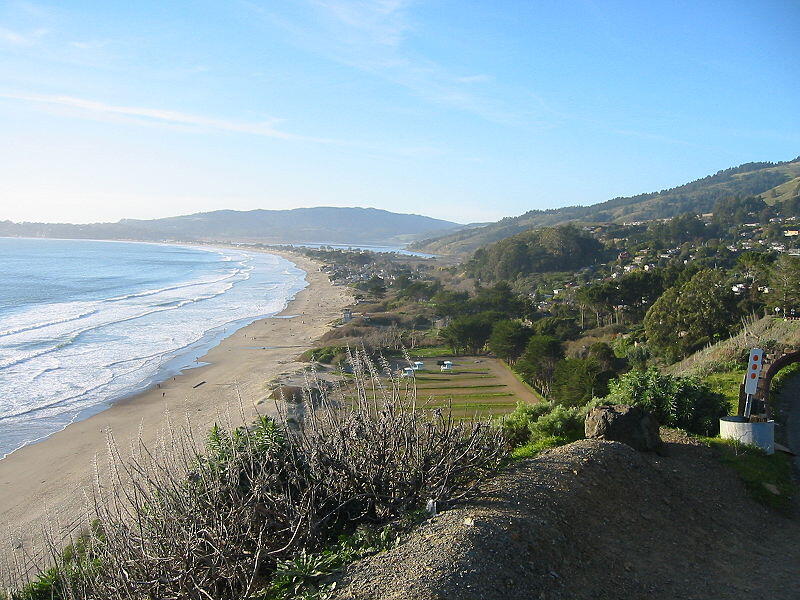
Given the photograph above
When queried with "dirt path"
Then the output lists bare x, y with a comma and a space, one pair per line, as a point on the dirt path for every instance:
505, 376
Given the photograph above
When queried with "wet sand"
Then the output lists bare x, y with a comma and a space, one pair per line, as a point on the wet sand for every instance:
44, 481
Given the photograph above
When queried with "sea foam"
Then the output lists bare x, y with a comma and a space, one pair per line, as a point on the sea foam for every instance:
113, 318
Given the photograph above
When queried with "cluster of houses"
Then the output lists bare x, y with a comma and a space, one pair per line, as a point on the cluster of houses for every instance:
781, 234
388, 271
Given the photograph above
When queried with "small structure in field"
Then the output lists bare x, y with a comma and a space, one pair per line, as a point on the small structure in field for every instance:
407, 372
446, 366
418, 364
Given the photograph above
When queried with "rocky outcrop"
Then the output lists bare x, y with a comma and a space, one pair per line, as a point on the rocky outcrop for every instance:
630, 425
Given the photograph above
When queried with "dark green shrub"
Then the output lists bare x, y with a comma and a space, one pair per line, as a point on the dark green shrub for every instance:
577, 380
516, 426
683, 402
562, 423
532, 428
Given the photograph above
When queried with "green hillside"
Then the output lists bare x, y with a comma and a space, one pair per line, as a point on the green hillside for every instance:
774, 182
544, 250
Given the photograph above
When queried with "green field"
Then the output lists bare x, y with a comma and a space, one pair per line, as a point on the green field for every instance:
471, 389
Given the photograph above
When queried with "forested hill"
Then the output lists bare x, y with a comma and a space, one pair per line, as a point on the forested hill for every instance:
332, 225
563, 248
773, 182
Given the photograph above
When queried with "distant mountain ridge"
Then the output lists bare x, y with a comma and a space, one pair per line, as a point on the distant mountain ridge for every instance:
333, 225
773, 182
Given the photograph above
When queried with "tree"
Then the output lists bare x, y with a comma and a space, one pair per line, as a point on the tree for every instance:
563, 328
448, 303
688, 317
577, 380
595, 298
508, 339
500, 298
754, 266
469, 333
420, 290
604, 355
537, 363
785, 284
542, 250
376, 286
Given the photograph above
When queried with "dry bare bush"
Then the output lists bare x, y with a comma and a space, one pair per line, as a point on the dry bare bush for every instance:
207, 520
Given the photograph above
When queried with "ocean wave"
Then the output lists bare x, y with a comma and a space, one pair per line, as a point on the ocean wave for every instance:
146, 293
126, 345
34, 316
32, 327
60, 340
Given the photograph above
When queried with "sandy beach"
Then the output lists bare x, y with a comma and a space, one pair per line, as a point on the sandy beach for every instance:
45, 480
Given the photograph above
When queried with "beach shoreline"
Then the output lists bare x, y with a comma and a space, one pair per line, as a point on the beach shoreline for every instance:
43, 481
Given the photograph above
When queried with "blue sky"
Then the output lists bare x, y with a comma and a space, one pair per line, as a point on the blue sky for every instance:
463, 110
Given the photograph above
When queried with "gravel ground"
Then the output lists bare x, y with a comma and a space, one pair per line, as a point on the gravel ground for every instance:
595, 520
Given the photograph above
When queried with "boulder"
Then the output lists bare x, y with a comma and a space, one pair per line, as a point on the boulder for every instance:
630, 425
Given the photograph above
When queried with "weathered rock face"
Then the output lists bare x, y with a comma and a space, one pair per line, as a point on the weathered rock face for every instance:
630, 425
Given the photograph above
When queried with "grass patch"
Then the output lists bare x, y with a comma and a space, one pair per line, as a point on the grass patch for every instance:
763, 475
448, 378
474, 396
460, 387
430, 352
470, 405
727, 383
533, 448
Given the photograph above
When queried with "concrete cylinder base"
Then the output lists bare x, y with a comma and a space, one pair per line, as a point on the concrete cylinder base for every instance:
755, 434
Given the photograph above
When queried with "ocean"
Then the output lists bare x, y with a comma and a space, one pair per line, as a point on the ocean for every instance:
84, 323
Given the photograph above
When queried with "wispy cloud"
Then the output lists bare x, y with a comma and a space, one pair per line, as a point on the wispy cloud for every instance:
474, 79
89, 45
374, 36
92, 109
169, 117
18, 38
383, 22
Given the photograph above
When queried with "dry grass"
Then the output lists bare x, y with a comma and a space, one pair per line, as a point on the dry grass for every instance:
212, 518
771, 334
